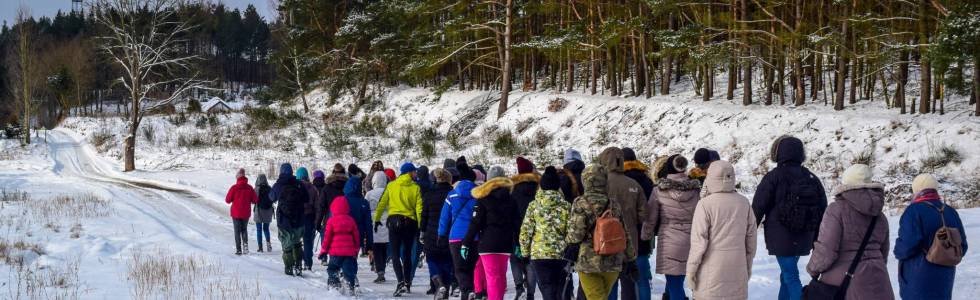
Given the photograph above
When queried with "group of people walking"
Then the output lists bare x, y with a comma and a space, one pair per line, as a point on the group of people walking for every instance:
603, 220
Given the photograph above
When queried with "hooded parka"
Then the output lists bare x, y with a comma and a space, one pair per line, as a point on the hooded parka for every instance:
627, 193
672, 205
378, 182
585, 210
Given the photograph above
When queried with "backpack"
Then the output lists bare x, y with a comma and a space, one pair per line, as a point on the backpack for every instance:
291, 202
264, 201
947, 244
609, 236
803, 207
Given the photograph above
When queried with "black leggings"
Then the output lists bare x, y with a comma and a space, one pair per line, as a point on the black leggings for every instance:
464, 267
403, 233
380, 253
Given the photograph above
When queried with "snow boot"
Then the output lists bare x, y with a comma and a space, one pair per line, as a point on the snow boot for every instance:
436, 287
400, 290
380, 279
260, 246
268, 246
245, 249
521, 293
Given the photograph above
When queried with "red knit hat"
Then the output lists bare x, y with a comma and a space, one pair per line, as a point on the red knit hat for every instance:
524, 166
390, 173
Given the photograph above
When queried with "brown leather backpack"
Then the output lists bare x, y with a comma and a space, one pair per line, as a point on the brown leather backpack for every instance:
947, 244
609, 235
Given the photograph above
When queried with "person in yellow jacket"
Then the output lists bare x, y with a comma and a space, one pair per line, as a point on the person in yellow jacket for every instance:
403, 202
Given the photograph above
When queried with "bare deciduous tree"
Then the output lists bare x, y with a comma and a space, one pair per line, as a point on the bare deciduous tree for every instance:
23, 71
145, 39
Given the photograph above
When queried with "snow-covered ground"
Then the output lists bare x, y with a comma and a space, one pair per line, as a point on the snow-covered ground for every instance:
149, 218
172, 208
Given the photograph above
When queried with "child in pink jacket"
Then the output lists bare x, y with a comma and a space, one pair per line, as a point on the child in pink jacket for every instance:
341, 242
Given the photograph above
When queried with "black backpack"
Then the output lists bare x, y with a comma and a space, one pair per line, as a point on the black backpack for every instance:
803, 207
291, 202
264, 201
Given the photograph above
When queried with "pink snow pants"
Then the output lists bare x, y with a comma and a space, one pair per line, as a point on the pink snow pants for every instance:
495, 267
479, 277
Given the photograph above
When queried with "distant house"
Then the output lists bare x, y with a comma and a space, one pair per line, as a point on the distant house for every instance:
215, 105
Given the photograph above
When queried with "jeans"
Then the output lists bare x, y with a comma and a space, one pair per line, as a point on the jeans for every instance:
597, 286
523, 274
416, 255
403, 231
241, 233
465, 267
551, 277
495, 268
345, 264
644, 278
261, 228
790, 287
380, 253
309, 233
675, 287
440, 266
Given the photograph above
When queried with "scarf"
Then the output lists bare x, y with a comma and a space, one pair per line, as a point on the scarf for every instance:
926, 195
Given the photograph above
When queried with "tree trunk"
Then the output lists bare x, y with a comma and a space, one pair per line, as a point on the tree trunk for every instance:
505, 71
976, 84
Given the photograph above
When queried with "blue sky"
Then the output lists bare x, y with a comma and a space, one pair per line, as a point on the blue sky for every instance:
8, 8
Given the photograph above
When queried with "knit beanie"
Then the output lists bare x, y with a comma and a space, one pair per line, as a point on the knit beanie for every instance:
674, 164
442, 176
461, 161
702, 156
318, 174
629, 154
354, 171
480, 168
857, 174
408, 167
550, 180
390, 173
480, 177
713, 156
302, 173
496, 171
572, 154
240, 173
524, 166
924, 181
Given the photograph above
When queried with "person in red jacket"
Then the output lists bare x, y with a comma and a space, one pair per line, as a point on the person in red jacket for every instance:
341, 241
241, 196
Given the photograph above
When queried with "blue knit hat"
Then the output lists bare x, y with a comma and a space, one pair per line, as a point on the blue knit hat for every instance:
408, 167
302, 173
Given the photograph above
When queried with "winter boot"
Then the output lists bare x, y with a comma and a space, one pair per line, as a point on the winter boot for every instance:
238, 249
380, 279
521, 293
245, 249
260, 246
400, 290
665, 297
442, 290
289, 270
268, 246
432, 286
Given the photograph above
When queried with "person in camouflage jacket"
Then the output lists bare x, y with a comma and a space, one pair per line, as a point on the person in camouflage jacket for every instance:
598, 273
543, 233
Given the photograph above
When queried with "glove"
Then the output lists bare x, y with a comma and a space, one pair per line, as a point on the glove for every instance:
571, 253
517, 252
443, 242
463, 251
323, 256
376, 225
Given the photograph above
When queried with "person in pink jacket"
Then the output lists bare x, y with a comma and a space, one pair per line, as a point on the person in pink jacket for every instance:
341, 242
241, 196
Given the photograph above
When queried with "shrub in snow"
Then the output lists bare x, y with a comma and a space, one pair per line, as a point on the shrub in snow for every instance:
941, 157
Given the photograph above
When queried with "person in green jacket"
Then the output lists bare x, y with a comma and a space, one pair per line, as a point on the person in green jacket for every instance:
543, 235
597, 273
402, 200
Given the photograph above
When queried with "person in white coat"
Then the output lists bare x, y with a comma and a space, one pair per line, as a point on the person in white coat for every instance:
723, 241
379, 250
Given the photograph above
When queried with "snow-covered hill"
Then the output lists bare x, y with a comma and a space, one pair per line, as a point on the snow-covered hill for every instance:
415, 124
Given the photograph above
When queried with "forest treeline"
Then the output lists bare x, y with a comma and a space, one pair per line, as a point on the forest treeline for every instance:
66, 68
910, 54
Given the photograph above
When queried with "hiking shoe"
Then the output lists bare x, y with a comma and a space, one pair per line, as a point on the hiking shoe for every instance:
442, 294
239, 252
268, 246
380, 279
400, 290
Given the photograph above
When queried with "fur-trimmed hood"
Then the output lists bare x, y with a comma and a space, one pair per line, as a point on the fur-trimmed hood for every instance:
866, 198
500, 182
526, 177
631, 165
678, 181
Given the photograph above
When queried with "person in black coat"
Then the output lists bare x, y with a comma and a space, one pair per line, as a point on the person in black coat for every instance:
329, 188
437, 258
789, 202
571, 175
525, 188
496, 222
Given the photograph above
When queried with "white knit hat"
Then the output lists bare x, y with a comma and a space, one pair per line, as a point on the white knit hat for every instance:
857, 174
924, 181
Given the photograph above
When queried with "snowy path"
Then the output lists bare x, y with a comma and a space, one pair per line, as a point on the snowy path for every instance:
185, 214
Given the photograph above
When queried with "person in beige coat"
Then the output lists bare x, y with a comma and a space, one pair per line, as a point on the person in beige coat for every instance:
844, 224
668, 215
722, 239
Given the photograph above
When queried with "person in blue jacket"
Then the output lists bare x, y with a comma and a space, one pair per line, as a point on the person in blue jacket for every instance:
454, 221
360, 209
917, 277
